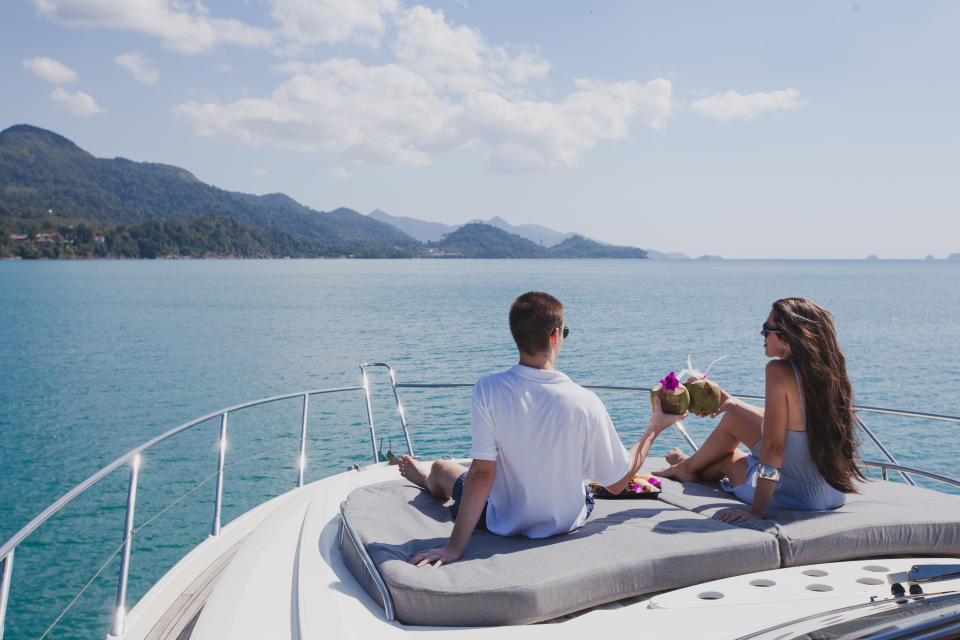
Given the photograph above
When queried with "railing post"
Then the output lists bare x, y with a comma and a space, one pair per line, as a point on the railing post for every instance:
215, 530
403, 418
683, 431
121, 611
5, 588
876, 441
302, 462
366, 395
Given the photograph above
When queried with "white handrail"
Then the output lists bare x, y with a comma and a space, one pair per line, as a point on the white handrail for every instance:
133, 457
66, 498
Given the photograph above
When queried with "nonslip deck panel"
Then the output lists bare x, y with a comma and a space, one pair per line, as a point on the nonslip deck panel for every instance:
883, 519
627, 548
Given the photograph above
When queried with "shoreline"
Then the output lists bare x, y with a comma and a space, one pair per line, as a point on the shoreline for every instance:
457, 259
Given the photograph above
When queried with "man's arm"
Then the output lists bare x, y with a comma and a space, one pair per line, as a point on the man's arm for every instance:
476, 490
658, 422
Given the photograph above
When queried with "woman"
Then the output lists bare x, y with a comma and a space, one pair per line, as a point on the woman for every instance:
802, 444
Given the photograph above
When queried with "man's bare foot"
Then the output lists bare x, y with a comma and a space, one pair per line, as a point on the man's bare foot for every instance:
676, 472
414, 471
675, 456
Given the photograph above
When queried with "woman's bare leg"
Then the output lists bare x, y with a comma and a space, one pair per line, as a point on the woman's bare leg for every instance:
733, 467
438, 479
735, 427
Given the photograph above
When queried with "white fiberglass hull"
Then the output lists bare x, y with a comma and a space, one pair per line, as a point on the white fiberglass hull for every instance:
287, 580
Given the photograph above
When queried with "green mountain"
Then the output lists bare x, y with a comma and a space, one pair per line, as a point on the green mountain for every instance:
340, 226
59, 201
579, 247
433, 231
45, 177
479, 240
422, 230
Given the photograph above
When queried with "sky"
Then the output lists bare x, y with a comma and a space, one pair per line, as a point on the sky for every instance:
819, 129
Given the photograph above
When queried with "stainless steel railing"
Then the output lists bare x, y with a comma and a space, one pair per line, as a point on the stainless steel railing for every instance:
396, 397
133, 458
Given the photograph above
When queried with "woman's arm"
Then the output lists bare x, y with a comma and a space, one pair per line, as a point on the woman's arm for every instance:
730, 404
774, 438
772, 443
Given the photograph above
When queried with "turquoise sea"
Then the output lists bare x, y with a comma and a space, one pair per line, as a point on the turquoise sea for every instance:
99, 356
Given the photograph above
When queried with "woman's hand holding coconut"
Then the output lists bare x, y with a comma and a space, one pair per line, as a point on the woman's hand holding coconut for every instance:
707, 398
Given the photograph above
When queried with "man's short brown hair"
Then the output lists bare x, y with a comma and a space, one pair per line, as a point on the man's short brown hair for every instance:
533, 317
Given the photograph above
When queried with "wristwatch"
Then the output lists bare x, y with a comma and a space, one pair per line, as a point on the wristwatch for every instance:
769, 473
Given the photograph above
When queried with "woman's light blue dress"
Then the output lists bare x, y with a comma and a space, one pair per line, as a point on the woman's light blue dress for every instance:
800, 486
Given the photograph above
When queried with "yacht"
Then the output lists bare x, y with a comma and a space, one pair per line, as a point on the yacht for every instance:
328, 559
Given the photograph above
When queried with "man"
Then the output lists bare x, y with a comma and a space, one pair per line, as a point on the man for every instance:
537, 437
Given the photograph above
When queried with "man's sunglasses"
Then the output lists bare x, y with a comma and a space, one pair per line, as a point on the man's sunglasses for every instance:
566, 331
767, 330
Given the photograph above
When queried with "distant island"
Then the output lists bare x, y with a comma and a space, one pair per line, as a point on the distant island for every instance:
59, 201
425, 231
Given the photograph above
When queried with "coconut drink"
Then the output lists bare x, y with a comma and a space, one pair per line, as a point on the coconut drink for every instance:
704, 395
674, 397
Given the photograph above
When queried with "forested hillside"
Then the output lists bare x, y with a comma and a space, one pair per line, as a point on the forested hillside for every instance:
48, 183
59, 201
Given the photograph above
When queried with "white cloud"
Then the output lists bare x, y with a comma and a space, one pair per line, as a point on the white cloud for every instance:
140, 66
733, 105
311, 22
78, 103
259, 172
256, 122
379, 115
458, 58
182, 29
223, 67
390, 115
50, 70
339, 173
528, 135
448, 89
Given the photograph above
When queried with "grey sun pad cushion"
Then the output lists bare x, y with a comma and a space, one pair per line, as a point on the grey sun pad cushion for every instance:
885, 518
627, 548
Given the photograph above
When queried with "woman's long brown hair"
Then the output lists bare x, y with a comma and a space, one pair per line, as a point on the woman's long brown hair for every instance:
827, 395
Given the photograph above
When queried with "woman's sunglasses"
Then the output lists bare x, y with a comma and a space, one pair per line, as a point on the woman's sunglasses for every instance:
765, 330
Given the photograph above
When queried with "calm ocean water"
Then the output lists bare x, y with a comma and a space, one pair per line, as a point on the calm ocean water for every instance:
99, 356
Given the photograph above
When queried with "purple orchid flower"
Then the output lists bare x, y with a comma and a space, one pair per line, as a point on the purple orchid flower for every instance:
670, 383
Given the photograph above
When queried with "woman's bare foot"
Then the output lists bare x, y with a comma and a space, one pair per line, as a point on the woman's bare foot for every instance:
413, 470
676, 472
675, 456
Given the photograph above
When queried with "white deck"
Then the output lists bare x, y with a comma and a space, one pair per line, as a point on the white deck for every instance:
286, 580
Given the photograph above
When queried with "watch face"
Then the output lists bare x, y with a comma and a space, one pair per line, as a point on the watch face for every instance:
769, 473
